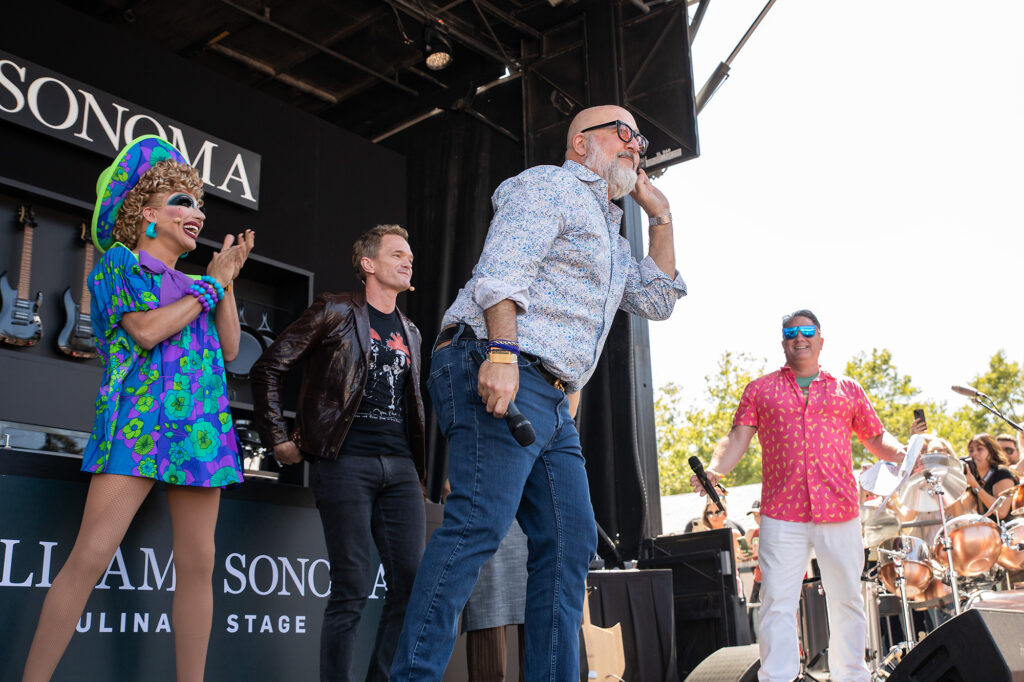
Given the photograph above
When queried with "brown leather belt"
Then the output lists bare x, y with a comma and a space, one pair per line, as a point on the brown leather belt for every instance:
444, 338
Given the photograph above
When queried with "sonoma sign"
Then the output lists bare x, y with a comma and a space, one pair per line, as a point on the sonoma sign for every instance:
61, 107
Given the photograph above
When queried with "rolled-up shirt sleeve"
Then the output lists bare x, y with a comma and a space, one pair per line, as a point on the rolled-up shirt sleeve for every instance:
527, 219
650, 292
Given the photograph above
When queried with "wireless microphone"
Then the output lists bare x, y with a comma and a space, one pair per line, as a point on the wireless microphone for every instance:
519, 426
698, 470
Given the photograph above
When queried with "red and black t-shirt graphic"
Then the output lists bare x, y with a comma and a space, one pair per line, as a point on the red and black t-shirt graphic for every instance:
389, 367
379, 426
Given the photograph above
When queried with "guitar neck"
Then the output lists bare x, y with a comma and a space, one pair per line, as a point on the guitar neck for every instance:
86, 299
26, 263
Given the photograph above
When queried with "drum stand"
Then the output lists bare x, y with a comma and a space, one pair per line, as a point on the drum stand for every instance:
936, 490
897, 651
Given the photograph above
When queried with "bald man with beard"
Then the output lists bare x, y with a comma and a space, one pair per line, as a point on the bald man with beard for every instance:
529, 326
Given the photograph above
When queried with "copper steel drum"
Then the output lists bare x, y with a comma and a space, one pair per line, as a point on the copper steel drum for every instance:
937, 589
916, 567
976, 544
1017, 501
1010, 557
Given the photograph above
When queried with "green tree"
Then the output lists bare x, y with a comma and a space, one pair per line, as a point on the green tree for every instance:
695, 430
894, 398
1004, 383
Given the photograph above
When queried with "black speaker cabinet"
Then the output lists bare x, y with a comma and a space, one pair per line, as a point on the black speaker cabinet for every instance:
710, 612
978, 645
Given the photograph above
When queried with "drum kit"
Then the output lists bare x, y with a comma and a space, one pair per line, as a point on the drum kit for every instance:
969, 555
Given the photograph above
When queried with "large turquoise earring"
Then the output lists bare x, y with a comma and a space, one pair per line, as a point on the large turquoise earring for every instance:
151, 230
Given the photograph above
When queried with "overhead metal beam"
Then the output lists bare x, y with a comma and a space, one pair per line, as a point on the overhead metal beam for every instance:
323, 48
454, 27
510, 20
269, 71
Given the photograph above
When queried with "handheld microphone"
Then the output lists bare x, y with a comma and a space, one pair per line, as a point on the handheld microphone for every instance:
519, 426
698, 470
968, 391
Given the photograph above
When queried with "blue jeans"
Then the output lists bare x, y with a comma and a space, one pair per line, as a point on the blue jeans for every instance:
365, 501
493, 480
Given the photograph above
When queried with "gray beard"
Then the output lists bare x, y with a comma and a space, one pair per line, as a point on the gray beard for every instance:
621, 181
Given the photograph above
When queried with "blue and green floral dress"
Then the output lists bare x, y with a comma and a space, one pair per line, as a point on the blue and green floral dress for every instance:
161, 413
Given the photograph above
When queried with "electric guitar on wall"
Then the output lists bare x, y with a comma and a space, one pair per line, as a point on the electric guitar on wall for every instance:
19, 316
76, 337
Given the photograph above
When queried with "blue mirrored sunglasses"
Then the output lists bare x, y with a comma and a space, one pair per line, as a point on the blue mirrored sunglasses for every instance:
807, 330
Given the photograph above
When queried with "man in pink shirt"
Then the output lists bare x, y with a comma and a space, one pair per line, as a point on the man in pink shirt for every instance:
804, 418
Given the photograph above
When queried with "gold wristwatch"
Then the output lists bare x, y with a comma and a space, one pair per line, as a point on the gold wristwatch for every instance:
502, 357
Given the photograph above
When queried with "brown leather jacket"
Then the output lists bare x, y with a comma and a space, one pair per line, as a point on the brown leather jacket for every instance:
333, 335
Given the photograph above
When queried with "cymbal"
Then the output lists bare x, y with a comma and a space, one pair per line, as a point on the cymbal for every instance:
947, 470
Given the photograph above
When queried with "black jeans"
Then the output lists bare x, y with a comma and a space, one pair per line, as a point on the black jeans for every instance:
364, 500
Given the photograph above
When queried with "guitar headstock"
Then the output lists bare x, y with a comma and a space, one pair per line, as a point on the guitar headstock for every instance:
26, 217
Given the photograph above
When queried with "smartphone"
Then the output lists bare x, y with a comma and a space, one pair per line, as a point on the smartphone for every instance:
919, 414
742, 542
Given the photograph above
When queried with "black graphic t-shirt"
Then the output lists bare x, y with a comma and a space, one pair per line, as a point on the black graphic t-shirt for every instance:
379, 424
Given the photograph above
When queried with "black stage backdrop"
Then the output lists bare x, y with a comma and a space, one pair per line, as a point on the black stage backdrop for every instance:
320, 186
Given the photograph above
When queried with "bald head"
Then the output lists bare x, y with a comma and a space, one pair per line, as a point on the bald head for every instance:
594, 116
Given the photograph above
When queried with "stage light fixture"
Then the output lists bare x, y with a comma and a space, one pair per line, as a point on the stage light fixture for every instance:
437, 48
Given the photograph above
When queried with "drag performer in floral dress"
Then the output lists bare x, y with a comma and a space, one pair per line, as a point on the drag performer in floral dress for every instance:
162, 411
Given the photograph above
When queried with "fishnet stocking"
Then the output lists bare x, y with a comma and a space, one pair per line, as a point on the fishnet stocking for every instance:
109, 509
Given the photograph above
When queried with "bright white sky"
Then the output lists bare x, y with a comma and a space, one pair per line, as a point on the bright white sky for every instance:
864, 161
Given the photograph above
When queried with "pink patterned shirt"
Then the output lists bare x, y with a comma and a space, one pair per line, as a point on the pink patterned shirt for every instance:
806, 460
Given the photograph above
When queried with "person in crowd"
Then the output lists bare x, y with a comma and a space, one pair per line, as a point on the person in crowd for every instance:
992, 480
528, 327
360, 423
1011, 448
162, 412
804, 417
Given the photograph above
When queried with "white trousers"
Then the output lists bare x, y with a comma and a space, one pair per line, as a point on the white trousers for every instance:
784, 550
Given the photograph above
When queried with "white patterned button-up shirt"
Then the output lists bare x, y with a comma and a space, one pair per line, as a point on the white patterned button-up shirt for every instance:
554, 249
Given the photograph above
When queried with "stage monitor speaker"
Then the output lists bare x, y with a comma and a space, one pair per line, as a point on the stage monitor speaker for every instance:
978, 645
710, 612
731, 664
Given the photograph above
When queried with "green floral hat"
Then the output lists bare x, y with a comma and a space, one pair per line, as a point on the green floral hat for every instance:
120, 177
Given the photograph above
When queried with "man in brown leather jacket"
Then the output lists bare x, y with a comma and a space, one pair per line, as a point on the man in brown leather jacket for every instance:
360, 422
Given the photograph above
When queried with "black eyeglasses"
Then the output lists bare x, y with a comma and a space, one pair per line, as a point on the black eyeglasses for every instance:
626, 133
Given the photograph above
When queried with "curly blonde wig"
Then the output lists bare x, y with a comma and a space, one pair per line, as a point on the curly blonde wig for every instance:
163, 178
